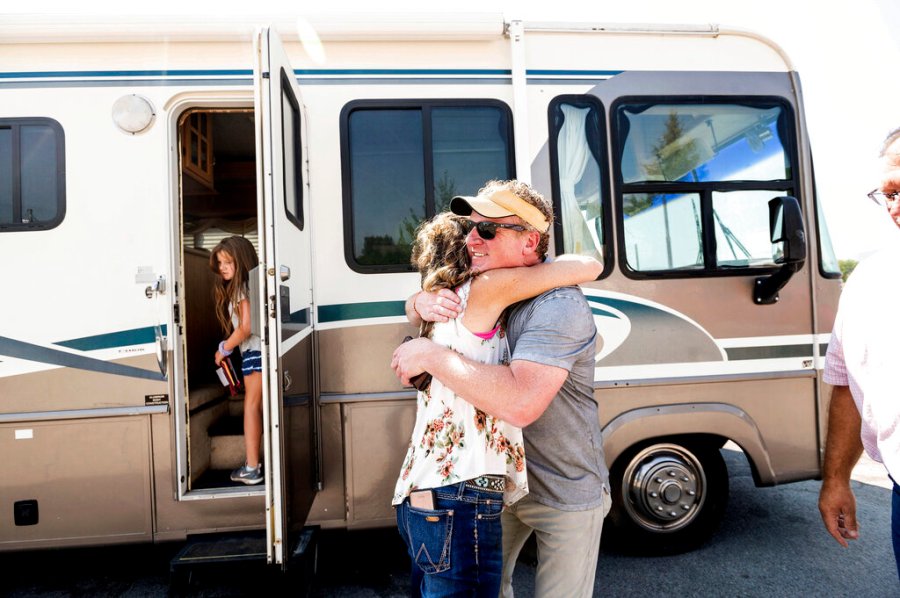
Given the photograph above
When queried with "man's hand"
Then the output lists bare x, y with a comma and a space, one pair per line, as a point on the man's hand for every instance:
843, 448
408, 359
440, 306
838, 508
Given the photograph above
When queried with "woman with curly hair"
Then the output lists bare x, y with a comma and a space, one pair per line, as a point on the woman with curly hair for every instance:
463, 464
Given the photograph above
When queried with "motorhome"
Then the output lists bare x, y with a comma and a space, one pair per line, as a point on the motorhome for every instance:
678, 155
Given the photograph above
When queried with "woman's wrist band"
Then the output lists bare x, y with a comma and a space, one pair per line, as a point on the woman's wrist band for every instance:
225, 352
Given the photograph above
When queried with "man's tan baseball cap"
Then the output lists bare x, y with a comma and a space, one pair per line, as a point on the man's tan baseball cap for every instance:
499, 205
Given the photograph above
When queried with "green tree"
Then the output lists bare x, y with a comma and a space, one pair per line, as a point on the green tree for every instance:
445, 190
635, 203
674, 155
847, 267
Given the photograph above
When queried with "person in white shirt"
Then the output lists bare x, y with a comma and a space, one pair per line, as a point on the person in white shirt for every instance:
861, 363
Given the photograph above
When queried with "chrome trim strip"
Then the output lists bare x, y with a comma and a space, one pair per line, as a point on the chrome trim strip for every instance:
35, 416
218, 493
327, 398
704, 379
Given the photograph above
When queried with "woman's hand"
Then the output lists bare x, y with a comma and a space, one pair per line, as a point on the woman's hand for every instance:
408, 359
219, 358
440, 306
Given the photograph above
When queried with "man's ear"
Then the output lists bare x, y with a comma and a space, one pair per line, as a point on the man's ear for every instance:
534, 238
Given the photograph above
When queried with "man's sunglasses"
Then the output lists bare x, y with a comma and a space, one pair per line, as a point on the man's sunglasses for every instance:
487, 230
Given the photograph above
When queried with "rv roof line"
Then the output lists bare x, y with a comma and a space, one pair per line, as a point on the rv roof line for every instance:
329, 27
355, 26
564, 27
711, 30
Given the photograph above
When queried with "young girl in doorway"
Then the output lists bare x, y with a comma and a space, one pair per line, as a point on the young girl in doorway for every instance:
232, 260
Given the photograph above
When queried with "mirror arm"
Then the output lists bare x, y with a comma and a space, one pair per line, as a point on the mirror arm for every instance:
765, 289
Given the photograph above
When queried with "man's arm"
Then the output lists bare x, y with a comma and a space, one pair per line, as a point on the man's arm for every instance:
843, 448
518, 393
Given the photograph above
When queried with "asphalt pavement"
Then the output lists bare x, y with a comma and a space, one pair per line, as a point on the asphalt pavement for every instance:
771, 543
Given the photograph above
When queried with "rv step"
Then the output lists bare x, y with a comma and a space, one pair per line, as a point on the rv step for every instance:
244, 554
221, 548
221, 478
227, 425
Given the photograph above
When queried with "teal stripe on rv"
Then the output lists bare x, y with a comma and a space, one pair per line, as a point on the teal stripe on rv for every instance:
147, 73
358, 311
123, 338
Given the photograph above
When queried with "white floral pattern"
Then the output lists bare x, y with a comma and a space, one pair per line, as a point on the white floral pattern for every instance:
452, 441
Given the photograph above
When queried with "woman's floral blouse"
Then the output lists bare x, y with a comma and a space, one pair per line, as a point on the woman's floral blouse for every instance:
453, 441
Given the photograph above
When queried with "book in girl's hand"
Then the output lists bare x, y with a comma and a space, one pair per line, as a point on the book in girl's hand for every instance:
229, 376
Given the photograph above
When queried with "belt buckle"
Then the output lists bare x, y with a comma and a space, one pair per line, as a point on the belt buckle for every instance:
489, 482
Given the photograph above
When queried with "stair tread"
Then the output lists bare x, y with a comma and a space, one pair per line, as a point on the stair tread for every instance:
220, 478
227, 425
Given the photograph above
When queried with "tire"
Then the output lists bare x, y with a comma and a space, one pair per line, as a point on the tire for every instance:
668, 498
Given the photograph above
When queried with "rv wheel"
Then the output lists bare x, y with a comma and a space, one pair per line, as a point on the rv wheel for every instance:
667, 498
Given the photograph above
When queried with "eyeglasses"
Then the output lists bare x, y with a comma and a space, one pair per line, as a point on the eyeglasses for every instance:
487, 230
882, 198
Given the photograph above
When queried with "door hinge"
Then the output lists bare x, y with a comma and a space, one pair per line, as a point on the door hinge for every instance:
177, 314
265, 75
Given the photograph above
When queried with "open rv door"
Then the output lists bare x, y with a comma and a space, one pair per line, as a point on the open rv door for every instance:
289, 393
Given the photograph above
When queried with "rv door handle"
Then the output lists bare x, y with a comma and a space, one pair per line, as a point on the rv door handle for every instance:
285, 273
158, 286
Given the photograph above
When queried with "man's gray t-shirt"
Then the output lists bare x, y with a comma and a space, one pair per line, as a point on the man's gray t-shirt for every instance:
563, 448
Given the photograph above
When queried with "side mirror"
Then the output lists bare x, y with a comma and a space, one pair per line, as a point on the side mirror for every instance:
786, 228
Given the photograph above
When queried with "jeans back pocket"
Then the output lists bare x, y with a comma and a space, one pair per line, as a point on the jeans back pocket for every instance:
428, 535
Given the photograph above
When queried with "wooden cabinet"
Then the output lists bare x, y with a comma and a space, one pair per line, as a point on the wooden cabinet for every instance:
197, 148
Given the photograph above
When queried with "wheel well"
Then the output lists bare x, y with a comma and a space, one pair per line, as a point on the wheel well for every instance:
703, 441
705, 425
686, 440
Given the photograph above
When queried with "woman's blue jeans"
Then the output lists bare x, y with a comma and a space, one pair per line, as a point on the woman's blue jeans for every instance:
895, 523
456, 549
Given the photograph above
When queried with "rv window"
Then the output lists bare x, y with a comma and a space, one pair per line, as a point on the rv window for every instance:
578, 179
403, 163
32, 174
696, 178
293, 171
829, 266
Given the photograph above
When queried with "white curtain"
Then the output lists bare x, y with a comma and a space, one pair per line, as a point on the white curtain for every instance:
574, 154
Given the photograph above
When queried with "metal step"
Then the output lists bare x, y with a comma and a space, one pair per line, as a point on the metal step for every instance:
243, 554
221, 548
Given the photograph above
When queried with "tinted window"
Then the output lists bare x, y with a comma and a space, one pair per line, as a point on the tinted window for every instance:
32, 191
6, 178
404, 163
470, 148
387, 183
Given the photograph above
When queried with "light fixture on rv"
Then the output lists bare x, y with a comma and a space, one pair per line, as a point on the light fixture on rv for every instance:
133, 113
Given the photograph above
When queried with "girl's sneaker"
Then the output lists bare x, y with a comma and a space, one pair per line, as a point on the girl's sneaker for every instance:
247, 475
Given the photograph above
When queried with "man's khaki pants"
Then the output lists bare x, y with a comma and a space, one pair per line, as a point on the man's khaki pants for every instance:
568, 545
